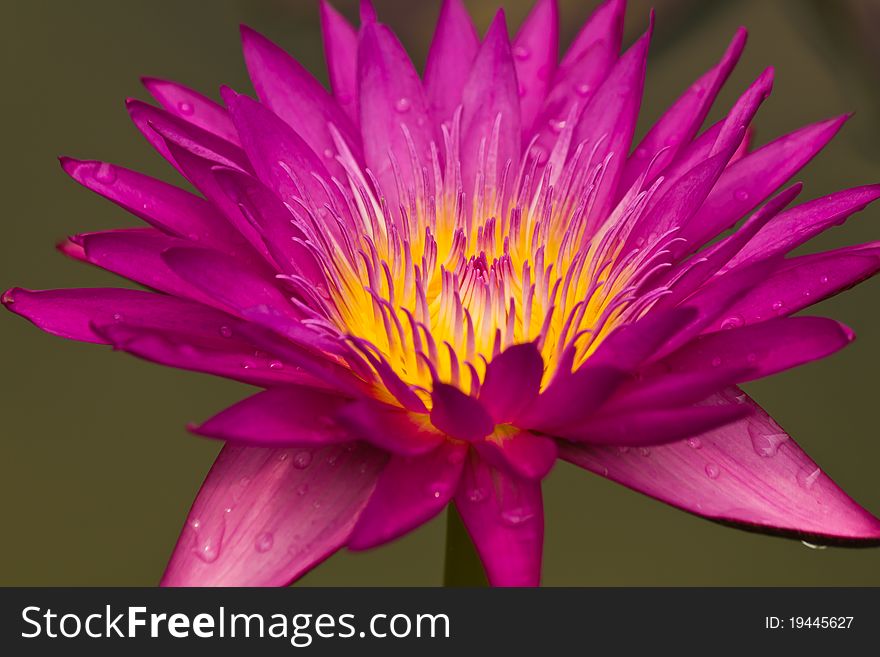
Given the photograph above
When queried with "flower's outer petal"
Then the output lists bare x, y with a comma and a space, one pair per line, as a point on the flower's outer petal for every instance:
368, 12
228, 281
393, 429
801, 282
512, 381
504, 515
800, 224
750, 474
340, 51
410, 491
490, 103
767, 348
281, 417
259, 520
605, 133
745, 184
163, 206
159, 126
582, 70
632, 344
192, 106
291, 92
535, 50
655, 426
450, 57
523, 453
459, 415
681, 121
396, 129
136, 254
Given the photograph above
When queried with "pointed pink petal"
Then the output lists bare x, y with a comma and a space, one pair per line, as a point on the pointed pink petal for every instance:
749, 473
291, 92
535, 50
262, 520
452, 53
396, 129
767, 348
281, 417
193, 107
802, 282
340, 51
489, 96
392, 429
410, 491
604, 25
512, 381
458, 414
505, 517
523, 453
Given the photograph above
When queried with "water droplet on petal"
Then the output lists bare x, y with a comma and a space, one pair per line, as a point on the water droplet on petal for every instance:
824, 281
225, 331
521, 53
438, 489
557, 126
765, 443
402, 105
105, 174
813, 546
208, 539
476, 495
694, 443
644, 451
316, 504
808, 476
185, 108
276, 365
742, 195
332, 460
117, 317
264, 542
302, 489
752, 357
716, 362
328, 153
583, 89
623, 449
302, 460
732, 322
246, 365
777, 306
516, 516
712, 471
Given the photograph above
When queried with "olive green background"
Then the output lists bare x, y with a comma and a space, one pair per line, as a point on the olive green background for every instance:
97, 471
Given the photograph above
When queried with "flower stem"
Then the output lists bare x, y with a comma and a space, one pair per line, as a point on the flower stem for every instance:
463, 567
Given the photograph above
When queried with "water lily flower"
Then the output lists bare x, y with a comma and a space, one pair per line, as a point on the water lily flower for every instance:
445, 282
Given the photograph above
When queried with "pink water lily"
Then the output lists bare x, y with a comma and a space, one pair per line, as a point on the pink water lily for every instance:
446, 282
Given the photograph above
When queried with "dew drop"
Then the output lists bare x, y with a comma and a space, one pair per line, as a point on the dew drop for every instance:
225, 331
264, 542
185, 108
583, 89
764, 443
402, 105
476, 495
437, 489
813, 546
302, 489
105, 174
332, 460
275, 365
623, 449
751, 357
328, 153
117, 317
316, 504
521, 53
208, 540
808, 476
716, 362
644, 451
516, 516
712, 471
557, 126
302, 460
742, 195
694, 443
732, 322
823, 280
777, 306
246, 365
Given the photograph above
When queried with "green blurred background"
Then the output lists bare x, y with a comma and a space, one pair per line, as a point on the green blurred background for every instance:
97, 471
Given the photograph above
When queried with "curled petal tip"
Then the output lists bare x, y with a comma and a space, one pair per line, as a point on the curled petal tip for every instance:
8, 297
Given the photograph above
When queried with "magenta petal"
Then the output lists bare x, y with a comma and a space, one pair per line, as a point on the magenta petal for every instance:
490, 103
512, 381
410, 491
523, 453
535, 50
281, 417
396, 129
749, 473
191, 106
604, 26
340, 51
452, 53
767, 348
458, 414
292, 93
262, 519
655, 426
505, 517
802, 282
389, 428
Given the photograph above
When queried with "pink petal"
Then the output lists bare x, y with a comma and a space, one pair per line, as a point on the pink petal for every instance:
260, 520
490, 97
340, 51
512, 381
281, 417
452, 53
410, 491
749, 473
767, 348
505, 517
802, 282
191, 106
291, 92
396, 129
458, 414
392, 429
535, 50
523, 453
